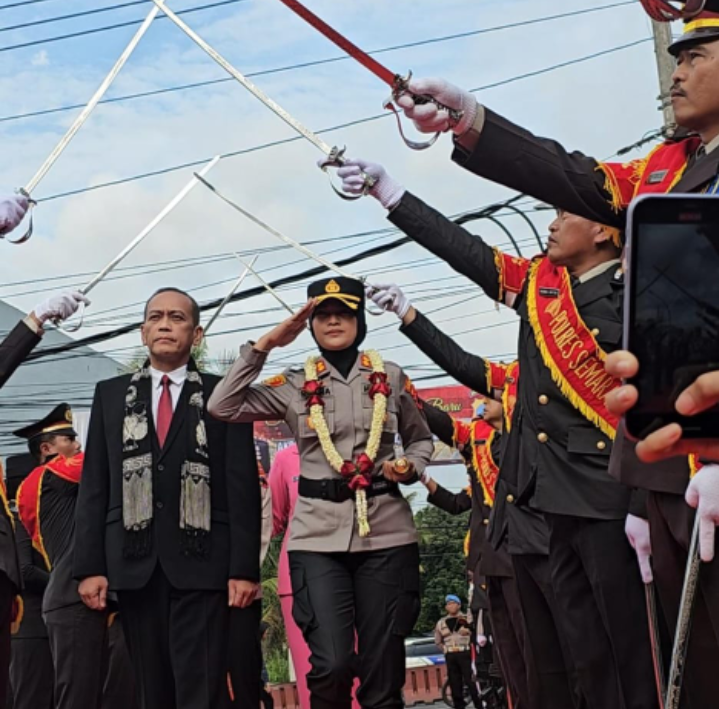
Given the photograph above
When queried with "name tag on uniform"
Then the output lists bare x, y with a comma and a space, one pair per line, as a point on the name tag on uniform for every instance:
656, 177
549, 292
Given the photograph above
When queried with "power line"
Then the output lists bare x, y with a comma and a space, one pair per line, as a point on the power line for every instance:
322, 131
20, 4
119, 25
304, 65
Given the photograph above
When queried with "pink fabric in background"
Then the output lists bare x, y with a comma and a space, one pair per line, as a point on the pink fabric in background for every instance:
284, 484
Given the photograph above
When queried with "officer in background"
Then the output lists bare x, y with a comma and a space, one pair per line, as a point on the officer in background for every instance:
453, 636
31, 673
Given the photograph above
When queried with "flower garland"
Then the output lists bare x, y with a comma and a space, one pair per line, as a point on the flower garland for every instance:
359, 471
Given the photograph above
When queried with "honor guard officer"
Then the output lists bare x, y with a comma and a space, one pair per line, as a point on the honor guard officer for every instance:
46, 506
453, 635
31, 669
491, 146
525, 616
354, 558
570, 306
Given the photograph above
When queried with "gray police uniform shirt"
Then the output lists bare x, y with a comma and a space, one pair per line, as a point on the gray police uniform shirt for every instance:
321, 525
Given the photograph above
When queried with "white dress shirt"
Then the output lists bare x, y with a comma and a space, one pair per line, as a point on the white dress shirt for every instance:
177, 380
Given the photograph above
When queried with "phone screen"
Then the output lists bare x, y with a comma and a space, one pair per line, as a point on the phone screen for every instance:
673, 308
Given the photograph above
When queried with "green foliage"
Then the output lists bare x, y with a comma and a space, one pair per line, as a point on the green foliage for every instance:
443, 564
275, 645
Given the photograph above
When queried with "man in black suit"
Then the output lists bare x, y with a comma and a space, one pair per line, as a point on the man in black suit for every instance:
169, 514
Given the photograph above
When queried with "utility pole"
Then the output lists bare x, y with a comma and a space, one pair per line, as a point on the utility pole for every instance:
665, 68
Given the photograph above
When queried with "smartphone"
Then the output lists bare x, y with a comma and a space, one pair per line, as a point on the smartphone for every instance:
671, 307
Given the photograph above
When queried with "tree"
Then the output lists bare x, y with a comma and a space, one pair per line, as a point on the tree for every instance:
443, 564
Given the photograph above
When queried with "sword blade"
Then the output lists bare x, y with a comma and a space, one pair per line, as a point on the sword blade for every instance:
249, 85
380, 71
144, 233
655, 641
90, 107
681, 639
286, 239
233, 290
269, 288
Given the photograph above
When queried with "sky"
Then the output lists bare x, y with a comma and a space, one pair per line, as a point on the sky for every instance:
597, 106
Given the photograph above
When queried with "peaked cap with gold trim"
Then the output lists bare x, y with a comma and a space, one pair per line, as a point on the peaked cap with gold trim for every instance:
699, 29
58, 422
348, 291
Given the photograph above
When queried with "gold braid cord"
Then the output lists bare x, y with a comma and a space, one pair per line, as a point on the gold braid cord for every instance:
319, 423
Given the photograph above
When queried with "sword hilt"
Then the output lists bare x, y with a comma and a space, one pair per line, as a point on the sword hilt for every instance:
401, 88
336, 158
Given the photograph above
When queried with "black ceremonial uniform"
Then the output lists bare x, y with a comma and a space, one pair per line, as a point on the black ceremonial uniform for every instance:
492, 569
31, 671
512, 156
561, 460
521, 597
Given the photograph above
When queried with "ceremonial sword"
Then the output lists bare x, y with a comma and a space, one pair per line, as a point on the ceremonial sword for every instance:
398, 83
269, 289
143, 234
51, 159
334, 155
655, 642
329, 265
233, 290
681, 638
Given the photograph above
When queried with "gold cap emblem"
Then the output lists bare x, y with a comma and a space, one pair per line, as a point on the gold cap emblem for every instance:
332, 287
68, 415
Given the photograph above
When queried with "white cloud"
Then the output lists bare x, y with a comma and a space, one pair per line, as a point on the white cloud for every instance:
40, 59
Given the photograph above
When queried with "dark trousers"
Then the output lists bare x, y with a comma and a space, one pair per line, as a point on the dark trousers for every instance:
671, 521
78, 643
7, 596
459, 674
178, 645
509, 638
602, 610
267, 701
369, 597
119, 690
31, 673
551, 678
245, 656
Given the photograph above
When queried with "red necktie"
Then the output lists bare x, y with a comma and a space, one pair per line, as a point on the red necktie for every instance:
164, 411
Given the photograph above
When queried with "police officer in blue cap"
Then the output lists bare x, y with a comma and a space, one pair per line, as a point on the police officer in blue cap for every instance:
454, 636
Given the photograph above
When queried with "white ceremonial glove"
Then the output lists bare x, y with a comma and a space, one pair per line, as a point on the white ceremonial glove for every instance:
703, 495
481, 640
12, 211
386, 191
389, 297
427, 118
60, 307
425, 478
637, 531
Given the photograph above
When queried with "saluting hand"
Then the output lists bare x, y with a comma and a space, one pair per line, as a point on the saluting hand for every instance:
287, 331
93, 591
241, 593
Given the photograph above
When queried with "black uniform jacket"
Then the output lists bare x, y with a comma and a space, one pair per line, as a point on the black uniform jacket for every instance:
568, 472
512, 156
521, 529
482, 558
13, 351
35, 577
235, 490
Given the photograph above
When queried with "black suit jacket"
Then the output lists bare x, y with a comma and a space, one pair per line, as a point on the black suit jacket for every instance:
567, 474
13, 351
235, 522
512, 156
